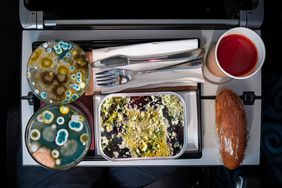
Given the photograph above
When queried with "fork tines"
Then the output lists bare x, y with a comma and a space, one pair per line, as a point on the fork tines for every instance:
106, 78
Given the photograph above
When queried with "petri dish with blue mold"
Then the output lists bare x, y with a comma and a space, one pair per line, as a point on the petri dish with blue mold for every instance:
58, 136
58, 72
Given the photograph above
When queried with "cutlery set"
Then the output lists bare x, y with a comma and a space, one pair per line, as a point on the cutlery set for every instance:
115, 75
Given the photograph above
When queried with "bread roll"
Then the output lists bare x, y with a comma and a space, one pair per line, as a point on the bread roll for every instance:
231, 126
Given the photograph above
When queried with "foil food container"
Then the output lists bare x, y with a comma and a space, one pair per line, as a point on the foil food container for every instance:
142, 126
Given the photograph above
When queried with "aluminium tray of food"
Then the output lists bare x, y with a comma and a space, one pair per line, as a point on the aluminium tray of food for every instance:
192, 134
142, 126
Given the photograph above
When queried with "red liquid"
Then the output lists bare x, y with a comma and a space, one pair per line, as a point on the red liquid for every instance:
237, 55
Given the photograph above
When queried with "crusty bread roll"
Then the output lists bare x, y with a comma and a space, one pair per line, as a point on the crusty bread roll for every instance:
231, 126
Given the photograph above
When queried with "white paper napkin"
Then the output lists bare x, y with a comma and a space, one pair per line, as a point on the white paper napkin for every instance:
153, 48
162, 78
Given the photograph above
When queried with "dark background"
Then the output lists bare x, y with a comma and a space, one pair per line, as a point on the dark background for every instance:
270, 170
10, 74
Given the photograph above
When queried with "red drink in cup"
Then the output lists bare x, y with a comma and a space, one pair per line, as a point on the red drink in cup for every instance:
238, 54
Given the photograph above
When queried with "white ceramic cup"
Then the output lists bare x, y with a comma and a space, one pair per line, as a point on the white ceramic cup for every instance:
213, 64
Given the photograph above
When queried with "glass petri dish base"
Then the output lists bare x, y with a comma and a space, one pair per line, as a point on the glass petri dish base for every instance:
58, 137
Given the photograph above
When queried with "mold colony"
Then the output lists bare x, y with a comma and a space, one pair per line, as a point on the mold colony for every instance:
58, 72
58, 137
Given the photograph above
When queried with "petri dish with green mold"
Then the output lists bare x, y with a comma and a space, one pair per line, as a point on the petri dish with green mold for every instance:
58, 136
58, 72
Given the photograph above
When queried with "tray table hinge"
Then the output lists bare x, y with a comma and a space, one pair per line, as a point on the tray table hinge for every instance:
253, 18
29, 98
30, 19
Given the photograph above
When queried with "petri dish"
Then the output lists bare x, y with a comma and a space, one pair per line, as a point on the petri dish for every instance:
58, 72
58, 136
135, 126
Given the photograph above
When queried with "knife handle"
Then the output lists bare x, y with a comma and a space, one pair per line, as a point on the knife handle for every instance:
179, 57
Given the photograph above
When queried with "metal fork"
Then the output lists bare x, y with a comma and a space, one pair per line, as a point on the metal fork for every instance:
115, 77
121, 76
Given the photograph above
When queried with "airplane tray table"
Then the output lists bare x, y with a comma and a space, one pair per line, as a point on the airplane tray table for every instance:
248, 89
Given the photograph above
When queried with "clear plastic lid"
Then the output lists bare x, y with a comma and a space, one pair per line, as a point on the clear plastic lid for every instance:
142, 126
58, 137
